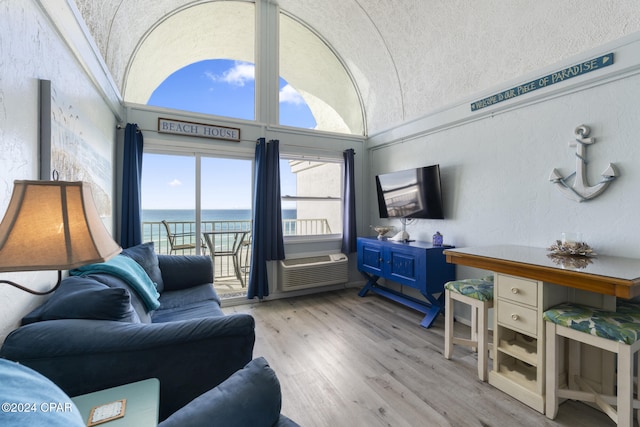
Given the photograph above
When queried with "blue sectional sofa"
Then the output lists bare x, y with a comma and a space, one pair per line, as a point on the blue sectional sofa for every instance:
250, 397
101, 329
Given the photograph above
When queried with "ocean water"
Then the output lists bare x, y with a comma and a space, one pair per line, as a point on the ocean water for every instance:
157, 233
157, 215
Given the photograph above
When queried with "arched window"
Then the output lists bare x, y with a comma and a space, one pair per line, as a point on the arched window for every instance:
224, 87
313, 69
313, 81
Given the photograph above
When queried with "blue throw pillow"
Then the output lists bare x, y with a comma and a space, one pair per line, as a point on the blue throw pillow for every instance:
30, 399
145, 255
82, 298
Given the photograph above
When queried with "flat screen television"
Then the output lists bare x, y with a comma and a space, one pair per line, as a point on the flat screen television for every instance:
413, 193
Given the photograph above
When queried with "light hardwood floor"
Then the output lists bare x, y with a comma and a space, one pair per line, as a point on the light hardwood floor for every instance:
343, 360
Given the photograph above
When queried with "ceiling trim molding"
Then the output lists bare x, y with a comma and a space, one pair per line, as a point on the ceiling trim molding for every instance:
627, 63
68, 23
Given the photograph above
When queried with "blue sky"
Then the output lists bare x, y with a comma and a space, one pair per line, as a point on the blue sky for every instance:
224, 88
169, 182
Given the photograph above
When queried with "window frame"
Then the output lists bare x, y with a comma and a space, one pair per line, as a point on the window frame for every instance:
309, 238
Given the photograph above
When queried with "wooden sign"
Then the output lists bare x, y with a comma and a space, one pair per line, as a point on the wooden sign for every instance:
553, 78
202, 130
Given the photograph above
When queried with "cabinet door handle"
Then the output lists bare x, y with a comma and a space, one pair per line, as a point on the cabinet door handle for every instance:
515, 290
514, 316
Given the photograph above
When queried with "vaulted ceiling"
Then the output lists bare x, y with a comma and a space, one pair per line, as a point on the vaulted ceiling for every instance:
407, 58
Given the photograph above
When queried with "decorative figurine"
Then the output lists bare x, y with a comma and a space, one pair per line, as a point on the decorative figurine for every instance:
437, 239
581, 191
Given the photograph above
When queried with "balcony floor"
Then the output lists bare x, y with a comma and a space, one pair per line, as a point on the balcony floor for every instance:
229, 287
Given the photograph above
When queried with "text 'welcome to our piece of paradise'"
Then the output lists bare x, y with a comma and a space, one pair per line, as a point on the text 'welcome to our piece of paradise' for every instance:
548, 80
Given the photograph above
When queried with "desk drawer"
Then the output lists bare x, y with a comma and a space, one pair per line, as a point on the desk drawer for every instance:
519, 290
518, 318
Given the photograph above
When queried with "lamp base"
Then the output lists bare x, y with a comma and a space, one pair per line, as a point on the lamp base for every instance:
401, 236
31, 291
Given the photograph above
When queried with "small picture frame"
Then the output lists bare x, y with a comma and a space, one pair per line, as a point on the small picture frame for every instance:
107, 412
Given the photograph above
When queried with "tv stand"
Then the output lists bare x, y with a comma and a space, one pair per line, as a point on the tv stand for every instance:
419, 265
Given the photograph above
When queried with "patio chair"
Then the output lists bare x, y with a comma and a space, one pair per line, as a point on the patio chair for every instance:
245, 255
174, 238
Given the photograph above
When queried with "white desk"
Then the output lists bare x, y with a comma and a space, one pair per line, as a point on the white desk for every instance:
527, 282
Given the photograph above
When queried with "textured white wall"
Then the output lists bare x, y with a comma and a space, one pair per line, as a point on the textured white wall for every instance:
412, 57
30, 49
495, 170
461, 47
407, 57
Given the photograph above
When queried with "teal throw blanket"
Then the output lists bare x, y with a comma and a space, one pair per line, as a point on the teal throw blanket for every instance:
131, 272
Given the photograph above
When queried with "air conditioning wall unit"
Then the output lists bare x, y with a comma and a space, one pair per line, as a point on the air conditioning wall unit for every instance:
310, 272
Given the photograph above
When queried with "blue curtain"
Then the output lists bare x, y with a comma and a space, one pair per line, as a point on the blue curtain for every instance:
349, 232
266, 236
131, 221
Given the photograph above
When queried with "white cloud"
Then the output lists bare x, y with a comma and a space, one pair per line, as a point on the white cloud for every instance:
238, 75
289, 95
175, 183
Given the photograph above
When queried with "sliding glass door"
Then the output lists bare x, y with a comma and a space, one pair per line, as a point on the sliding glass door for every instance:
197, 204
225, 206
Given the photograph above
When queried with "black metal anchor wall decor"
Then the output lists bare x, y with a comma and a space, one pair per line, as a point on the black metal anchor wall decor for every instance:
580, 191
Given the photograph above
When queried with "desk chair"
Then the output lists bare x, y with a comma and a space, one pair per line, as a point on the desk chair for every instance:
174, 237
478, 294
617, 332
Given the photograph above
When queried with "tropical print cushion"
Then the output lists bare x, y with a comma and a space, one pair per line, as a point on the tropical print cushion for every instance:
480, 289
623, 325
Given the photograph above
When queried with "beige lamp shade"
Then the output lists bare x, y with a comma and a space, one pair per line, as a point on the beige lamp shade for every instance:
53, 225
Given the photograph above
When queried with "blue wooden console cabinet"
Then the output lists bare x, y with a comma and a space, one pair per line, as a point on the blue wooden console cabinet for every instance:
419, 265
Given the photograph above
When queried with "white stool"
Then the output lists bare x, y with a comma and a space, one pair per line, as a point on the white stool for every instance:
617, 332
478, 294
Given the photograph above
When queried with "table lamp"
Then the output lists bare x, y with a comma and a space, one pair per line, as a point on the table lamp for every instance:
52, 225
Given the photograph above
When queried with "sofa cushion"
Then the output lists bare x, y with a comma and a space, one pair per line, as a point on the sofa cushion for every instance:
39, 402
84, 298
145, 255
116, 282
128, 270
185, 271
204, 292
249, 397
192, 303
199, 310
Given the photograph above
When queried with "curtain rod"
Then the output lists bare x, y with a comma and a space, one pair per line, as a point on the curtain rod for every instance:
312, 148
119, 126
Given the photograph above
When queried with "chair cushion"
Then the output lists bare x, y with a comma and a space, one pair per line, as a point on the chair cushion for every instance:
480, 289
145, 255
30, 399
623, 325
84, 298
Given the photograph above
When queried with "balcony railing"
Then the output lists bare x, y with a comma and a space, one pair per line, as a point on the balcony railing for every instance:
185, 234
185, 231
